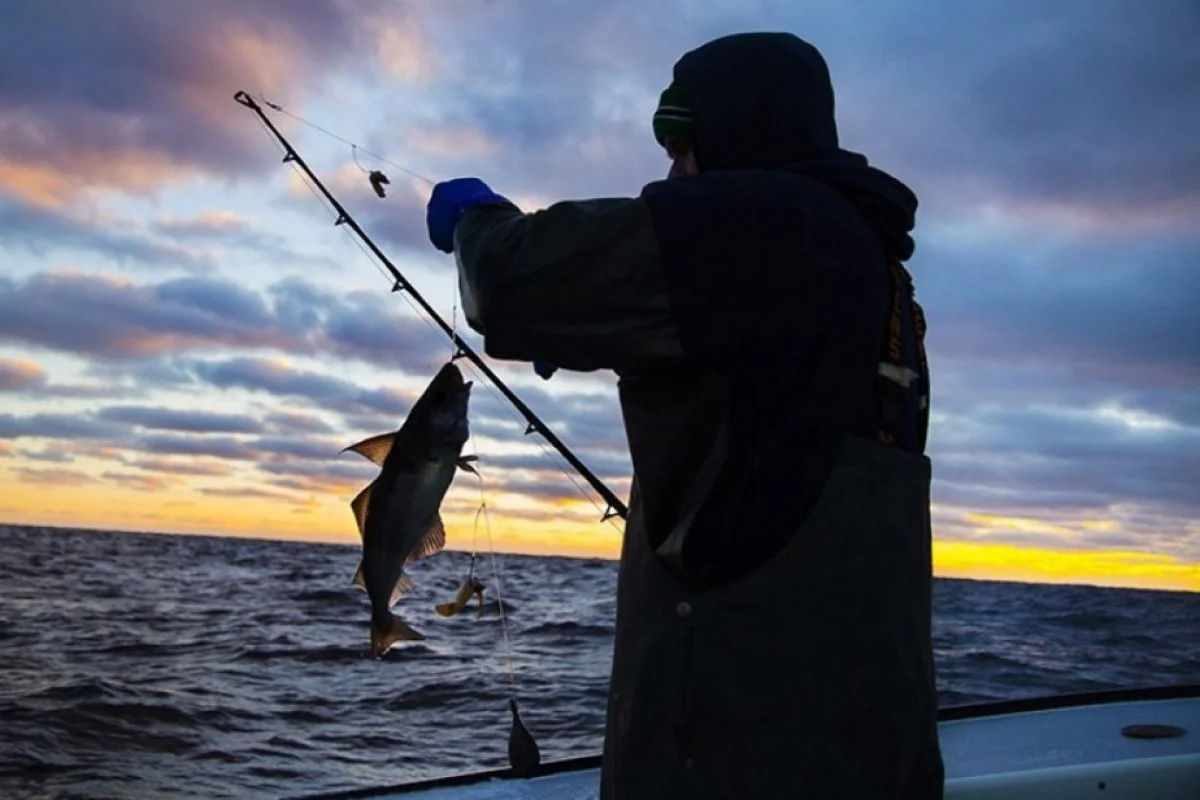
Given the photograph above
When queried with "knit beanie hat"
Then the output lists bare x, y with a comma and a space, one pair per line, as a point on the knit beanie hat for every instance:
673, 116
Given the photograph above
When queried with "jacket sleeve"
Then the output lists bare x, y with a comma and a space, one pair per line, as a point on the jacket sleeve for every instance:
578, 285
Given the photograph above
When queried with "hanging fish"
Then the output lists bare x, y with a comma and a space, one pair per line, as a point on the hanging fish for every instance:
471, 587
378, 179
398, 512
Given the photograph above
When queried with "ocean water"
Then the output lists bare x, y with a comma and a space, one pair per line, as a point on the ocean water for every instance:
145, 665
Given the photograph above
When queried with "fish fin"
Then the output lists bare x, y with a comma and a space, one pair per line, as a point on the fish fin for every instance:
464, 463
404, 585
359, 506
394, 630
359, 580
374, 449
432, 542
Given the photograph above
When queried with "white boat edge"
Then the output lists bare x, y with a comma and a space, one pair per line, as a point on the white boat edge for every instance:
1062, 747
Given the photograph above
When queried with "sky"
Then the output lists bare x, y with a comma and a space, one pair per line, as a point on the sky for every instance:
187, 342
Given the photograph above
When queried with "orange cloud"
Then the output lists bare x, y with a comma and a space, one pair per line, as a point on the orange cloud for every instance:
179, 120
403, 53
207, 222
55, 183
20, 373
103, 452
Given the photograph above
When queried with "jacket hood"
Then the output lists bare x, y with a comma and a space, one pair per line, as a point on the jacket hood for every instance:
765, 101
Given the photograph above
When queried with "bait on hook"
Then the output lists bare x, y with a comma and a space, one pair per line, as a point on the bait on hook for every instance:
471, 587
378, 179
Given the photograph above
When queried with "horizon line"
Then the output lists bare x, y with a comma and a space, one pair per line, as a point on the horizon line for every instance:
565, 557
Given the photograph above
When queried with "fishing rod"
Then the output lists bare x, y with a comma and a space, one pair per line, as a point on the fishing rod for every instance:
616, 508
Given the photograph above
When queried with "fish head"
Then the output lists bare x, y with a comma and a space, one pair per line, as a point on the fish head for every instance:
444, 405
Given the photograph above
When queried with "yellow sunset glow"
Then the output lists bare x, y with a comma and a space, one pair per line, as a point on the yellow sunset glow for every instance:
990, 560
518, 524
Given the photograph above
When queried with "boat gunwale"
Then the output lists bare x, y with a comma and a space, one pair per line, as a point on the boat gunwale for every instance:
955, 713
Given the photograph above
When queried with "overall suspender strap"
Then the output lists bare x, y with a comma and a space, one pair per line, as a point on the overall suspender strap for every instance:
895, 380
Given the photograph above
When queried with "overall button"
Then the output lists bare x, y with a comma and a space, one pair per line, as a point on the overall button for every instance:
684, 609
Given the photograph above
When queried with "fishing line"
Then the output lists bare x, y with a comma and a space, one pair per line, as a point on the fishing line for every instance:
550, 454
354, 155
487, 523
557, 460
314, 126
474, 449
519, 759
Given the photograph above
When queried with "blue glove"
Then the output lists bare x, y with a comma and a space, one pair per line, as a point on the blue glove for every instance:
544, 370
450, 200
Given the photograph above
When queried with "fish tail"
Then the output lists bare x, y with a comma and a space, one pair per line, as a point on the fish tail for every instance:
465, 592
388, 630
449, 609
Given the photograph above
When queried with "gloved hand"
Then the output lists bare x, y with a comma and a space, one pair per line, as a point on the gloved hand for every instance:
450, 200
546, 371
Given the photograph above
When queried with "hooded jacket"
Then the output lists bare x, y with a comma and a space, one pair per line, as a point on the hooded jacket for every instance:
691, 277
745, 310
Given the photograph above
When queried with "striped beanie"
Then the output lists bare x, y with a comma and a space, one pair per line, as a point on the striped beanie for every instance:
673, 117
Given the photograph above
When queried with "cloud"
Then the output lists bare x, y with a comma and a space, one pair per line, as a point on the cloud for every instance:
154, 417
53, 477
1007, 100
283, 380
610, 466
43, 231
53, 456
357, 471
138, 95
300, 447
1081, 112
113, 318
140, 482
20, 375
223, 232
226, 447
286, 422
1111, 310
191, 467
219, 225
117, 319
1055, 456
53, 426
245, 493
402, 221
